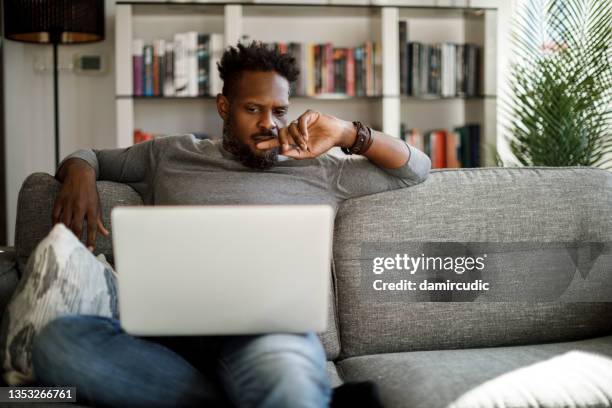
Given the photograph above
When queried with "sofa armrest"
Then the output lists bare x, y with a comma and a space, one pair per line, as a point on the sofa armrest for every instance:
35, 205
8, 276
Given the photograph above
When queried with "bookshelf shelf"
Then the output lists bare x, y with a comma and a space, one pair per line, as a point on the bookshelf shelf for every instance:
329, 97
176, 9
428, 6
446, 98
344, 23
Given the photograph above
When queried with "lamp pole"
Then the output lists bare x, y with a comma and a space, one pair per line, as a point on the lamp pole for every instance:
55, 39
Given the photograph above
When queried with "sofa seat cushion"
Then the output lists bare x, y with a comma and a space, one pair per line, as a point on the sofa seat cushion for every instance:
572, 374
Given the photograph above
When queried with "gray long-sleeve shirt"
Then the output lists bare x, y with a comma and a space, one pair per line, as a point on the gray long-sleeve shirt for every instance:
183, 170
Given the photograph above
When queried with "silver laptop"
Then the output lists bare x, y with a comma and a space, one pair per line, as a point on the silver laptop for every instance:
216, 270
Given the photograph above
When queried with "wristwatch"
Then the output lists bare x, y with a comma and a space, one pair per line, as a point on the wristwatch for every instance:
362, 141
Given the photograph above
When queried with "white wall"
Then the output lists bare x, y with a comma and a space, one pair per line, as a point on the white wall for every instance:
87, 109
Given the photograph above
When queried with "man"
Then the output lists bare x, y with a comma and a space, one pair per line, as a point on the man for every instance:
262, 160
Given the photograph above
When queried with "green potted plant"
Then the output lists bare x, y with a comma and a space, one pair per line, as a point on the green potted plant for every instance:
561, 84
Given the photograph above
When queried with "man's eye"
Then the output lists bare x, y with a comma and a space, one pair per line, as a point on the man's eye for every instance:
251, 109
281, 113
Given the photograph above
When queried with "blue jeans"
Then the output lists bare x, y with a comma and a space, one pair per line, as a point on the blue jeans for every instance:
111, 368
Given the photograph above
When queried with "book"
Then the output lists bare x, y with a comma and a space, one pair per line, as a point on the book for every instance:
148, 70
339, 62
359, 55
169, 70
369, 68
378, 69
350, 72
438, 149
311, 86
137, 67
453, 150
217, 46
474, 146
203, 54
181, 75
191, 44
159, 53
329, 68
469, 136
403, 57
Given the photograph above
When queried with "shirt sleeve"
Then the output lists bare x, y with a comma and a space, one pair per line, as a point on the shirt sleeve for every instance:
356, 176
133, 165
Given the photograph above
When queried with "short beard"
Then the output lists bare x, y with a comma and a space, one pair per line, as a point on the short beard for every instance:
243, 153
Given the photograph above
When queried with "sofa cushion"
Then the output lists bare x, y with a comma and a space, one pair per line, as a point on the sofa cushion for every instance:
332, 372
574, 374
470, 205
34, 207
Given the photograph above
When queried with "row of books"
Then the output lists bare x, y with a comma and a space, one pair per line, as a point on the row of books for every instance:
455, 148
445, 69
185, 66
325, 69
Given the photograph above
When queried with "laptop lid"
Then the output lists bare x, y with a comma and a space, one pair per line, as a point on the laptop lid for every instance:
221, 270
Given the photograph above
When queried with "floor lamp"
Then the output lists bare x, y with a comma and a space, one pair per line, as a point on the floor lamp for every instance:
54, 22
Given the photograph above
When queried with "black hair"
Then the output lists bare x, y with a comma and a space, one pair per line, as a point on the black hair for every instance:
255, 56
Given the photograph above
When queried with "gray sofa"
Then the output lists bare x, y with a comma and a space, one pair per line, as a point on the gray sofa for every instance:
440, 354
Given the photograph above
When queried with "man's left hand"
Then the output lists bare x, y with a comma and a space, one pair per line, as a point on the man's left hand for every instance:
311, 135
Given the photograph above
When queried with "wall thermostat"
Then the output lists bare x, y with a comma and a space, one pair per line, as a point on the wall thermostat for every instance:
90, 64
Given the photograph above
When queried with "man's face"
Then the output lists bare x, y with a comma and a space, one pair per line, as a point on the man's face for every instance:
257, 109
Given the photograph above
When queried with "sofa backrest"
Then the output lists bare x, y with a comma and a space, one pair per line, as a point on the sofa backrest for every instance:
34, 208
470, 205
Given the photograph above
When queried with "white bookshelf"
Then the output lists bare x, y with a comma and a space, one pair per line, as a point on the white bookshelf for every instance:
345, 23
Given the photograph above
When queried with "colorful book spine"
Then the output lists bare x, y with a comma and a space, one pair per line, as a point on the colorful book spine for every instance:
416, 71
403, 58
438, 149
350, 72
148, 70
159, 53
452, 151
329, 65
360, 71
447, 149
317, 69
311, 68
369, 65
378, 69
137, 67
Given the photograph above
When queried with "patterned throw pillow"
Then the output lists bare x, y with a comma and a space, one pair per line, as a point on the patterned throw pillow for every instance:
61, 278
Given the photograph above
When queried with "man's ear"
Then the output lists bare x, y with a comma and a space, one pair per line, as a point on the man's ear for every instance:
223, 106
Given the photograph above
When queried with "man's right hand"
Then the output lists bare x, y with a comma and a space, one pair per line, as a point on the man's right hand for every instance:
78, 199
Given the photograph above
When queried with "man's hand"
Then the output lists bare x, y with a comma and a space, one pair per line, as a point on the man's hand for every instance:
78, 199
311, 135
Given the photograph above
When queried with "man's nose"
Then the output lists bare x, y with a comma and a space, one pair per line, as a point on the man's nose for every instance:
266, 121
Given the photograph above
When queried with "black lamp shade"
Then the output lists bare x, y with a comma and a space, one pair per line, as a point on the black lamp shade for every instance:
54, 21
